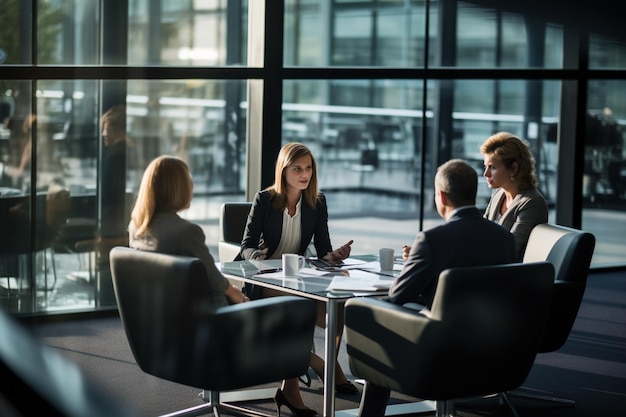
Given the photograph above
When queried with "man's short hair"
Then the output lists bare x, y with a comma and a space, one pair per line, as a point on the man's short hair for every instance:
458, 179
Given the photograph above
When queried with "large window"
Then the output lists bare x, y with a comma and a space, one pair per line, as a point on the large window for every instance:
383, 91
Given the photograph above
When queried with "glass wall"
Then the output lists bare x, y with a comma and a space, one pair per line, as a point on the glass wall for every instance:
73, 149
383, 91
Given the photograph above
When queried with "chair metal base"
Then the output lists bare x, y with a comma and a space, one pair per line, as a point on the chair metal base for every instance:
502, 396
505, 396
541, 397
218, 402
417, 407
448, 408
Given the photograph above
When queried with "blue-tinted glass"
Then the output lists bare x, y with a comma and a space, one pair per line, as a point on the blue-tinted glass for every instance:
604, 179
606, 53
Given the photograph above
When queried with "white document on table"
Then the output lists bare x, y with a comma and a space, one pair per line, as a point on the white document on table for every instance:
359, 281
351, 261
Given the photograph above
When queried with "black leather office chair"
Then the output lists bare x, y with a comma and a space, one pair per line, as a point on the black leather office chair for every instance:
570, 251
175, 332
480, 338
233, 218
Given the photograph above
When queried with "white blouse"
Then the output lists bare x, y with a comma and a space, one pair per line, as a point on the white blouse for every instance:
290, 236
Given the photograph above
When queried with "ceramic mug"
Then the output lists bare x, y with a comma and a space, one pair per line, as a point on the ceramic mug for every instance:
385, 257
292, 263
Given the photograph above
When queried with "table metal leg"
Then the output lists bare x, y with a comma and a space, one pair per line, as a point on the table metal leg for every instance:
330, 355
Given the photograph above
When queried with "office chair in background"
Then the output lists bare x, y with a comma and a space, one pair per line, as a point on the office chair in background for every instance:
233, 218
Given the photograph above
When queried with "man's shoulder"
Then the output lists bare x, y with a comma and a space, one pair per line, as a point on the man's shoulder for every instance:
471, 222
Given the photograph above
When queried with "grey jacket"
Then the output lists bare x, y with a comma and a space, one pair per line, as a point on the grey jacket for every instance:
171, 234
527, 210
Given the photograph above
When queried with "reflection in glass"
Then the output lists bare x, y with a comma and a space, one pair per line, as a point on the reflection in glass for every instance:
87, 164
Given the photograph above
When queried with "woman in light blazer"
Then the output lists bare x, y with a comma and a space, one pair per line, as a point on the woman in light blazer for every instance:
516, 204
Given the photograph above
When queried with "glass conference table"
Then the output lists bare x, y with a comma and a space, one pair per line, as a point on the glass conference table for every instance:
359, 277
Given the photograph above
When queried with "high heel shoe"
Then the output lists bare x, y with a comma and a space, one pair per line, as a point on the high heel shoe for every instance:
298, 412
346, 388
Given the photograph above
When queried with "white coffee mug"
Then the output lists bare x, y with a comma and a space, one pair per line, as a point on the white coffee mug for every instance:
385, 257
292, 263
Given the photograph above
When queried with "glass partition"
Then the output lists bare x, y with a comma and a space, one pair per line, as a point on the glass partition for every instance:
604, 178
371, 158
360, 149
382, 91
187, 33
76, 180
346, 33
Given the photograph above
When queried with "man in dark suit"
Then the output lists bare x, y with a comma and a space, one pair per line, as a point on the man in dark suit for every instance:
465, 239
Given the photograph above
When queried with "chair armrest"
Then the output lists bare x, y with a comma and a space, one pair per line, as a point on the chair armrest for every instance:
228, 251
380, 335
258, 341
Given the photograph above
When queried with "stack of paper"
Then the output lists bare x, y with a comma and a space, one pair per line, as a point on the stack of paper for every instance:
359, 281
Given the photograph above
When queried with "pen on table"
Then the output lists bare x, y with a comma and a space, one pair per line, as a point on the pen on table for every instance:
390, 274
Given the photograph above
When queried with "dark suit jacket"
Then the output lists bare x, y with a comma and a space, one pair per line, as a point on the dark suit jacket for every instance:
265, 224
465, 239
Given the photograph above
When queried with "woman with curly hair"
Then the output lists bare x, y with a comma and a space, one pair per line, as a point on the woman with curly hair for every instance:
516, 204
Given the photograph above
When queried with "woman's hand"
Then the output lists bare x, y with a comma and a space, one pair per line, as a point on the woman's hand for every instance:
405, 252
340, 253
259, 254
235, 296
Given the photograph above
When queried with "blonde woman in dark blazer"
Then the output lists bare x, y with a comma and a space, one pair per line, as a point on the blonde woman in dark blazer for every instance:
166, 189
516, 204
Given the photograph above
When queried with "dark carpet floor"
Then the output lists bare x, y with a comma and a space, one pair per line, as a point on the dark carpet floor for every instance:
590, 368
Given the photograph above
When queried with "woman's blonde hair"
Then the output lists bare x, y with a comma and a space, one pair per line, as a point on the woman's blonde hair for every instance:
166, 186
288, 154
115, 121
509, 149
